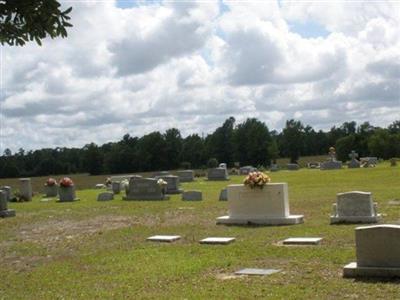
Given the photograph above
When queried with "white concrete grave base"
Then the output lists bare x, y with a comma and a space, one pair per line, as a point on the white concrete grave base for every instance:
266, 206
250, 271
352, 270
217, 240
302, 241
164, 238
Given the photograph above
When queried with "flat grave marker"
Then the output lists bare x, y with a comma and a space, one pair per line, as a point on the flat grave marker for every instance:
218, 240
260, 272
164, 238
302, 241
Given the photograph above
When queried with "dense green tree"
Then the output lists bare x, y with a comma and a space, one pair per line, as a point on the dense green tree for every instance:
220, 143
344, 146
193, 151
152, 152
93, 159
173, 150
27, 20
292, 141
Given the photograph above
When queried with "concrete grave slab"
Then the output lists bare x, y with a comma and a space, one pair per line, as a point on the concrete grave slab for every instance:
302, 241
251, 271
217, 240
164, 238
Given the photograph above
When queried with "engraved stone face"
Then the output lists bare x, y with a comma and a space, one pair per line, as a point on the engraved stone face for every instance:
355, 204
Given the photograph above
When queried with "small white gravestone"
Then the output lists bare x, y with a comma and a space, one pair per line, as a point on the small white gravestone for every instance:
251, 271
377, 252
100, 186
4, 211
217, 240
266, 206
302, 241
105, 196
185, 175
164, 238
192, 196
26, 189
354, 207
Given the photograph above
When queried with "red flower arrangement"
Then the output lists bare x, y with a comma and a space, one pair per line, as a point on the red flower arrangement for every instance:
50, 182
66, 182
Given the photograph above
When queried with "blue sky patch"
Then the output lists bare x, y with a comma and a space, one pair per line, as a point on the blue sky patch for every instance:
309, 29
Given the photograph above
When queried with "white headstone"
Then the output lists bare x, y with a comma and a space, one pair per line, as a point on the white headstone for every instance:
302, 241
26, 189
377, 252
354, 207
164, 238
251, 271
218, 240
268, 206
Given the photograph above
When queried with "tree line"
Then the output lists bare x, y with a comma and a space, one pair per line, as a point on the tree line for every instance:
249, 142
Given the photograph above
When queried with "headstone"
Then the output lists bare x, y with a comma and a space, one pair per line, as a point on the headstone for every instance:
217, 174
67, 194
377, 252
7, 189
51, 190
223, 195
116, 187
192, 196
100, 186
217, 240
367, 162
172, 184
120, 178
313, 165
274, 168
4, 211
105, 196
161, 173
302, 241
393, 162
185, 175
292, 167
25, 189
222, 165
246, 170
251, 271
354, 207
144, 189
331, 163
266, 206
354, 163
164, 238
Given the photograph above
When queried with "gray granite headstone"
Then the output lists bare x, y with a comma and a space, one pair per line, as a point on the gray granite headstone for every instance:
51, 190
354, 163
173, 184
116, 187
331, 163
105, 196
292, 167
4, 211
274, 168
26, 189
67, 194
185, 175
246, 170
217, 174
192, 196
7, 189
223, 195
144, 189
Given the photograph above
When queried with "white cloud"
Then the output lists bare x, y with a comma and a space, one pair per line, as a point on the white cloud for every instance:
190, 66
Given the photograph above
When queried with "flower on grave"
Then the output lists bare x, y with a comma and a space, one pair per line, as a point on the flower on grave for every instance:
256, 180
161, 182
108, 181
50, 182
66, 182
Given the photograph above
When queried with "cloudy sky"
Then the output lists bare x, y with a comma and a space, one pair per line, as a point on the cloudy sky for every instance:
140, 66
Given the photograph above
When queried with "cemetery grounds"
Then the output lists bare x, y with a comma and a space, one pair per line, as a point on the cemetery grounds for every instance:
98, 250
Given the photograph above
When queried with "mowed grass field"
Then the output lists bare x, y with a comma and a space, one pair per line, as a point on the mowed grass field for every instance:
98, 250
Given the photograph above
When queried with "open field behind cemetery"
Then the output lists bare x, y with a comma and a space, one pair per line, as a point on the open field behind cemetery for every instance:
98, 250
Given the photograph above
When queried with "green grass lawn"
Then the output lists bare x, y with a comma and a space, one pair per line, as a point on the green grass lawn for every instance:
98, 250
